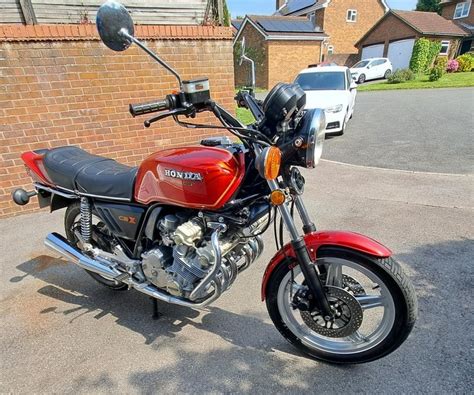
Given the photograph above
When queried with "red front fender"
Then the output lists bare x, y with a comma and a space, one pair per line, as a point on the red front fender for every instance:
315, 240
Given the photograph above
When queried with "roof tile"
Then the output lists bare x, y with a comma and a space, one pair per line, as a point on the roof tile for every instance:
429, 23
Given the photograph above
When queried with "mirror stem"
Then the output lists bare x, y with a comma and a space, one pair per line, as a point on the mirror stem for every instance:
153, 55
252, 68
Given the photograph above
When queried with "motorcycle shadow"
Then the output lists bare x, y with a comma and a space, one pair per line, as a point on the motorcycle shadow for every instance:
80, 297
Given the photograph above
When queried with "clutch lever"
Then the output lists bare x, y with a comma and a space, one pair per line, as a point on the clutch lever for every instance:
175, 112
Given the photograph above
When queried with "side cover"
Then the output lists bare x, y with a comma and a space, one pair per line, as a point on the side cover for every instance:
193, 177
315, 240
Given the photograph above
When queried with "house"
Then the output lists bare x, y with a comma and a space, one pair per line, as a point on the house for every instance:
345, 22
280, 46
394, 35
462, 14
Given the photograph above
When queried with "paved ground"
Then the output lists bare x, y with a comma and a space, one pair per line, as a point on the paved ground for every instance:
423, 130
62, 333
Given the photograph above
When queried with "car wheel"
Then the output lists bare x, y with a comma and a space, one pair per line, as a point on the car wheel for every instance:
361, 79
387, 74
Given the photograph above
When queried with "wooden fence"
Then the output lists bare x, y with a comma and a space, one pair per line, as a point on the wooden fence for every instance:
144, 12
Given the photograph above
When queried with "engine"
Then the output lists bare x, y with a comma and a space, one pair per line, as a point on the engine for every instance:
186, 255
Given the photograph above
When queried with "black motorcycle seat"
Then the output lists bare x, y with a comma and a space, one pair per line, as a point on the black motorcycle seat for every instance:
77, 170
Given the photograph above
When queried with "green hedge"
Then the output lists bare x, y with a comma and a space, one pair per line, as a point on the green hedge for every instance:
419, 57
424, 53
401, 75
466, 62
435, 48
436, 73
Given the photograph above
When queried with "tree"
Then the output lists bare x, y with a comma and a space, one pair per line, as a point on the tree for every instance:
213, 7
428, 5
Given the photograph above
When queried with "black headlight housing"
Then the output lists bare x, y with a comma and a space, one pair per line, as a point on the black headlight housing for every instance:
283, 103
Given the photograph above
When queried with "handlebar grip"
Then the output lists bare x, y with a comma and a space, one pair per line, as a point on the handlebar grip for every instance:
147, 108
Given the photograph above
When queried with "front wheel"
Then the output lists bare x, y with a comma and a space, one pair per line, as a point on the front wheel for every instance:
361, 79
373, 302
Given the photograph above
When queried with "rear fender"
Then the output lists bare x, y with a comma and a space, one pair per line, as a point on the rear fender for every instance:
34, 163
316, 240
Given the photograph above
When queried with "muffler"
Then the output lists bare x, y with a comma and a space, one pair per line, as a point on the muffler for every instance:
59, 244
62, 246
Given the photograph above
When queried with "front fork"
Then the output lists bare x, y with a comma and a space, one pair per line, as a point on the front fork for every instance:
301, 251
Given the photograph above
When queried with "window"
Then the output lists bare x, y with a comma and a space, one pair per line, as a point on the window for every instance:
322, 81
361, 64
351, 16
378, 62
330, 50
312, 18
462, 9
444, 48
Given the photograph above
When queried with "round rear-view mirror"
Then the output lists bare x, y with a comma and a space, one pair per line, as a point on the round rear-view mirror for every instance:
113, 20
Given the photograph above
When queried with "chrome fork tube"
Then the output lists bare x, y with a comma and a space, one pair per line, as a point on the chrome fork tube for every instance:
302, 255
308, 224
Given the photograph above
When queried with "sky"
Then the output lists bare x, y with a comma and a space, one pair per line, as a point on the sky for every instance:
267, 7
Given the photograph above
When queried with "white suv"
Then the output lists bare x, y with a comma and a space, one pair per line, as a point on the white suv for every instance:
371, 69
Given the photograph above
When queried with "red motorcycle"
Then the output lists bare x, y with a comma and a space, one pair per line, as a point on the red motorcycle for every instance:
187, 221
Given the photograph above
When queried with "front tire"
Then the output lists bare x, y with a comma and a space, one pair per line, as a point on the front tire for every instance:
71, 216
361, 79
395, 291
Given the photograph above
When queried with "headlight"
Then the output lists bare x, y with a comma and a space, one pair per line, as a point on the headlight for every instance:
309, 139
334, 109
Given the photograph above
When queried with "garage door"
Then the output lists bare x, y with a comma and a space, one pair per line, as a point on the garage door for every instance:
372, 51
399, 53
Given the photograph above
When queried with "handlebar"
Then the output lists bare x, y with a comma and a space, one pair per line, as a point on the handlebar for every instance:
147, 108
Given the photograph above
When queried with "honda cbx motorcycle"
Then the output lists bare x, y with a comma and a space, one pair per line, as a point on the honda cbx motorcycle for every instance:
183, 225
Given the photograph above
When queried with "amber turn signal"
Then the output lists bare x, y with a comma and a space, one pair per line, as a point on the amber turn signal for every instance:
272, 163
277, 197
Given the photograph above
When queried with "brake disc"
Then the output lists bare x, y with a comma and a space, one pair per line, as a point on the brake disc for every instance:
347, 313
352, 285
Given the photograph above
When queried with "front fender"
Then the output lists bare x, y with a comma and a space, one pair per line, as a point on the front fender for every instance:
315, 240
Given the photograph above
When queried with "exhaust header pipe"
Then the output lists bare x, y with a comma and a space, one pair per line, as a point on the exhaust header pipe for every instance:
60, 245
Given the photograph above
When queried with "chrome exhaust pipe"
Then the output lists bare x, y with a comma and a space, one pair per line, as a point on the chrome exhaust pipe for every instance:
62, 246
59, 244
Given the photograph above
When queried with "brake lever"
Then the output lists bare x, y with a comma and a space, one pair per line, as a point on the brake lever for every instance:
177, 111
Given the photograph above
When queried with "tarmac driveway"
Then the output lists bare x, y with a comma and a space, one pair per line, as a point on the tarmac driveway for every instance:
63, 333
417, 130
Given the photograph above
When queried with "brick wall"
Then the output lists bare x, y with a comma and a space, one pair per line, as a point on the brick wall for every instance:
288, 58
448, 12
253, 40
342, 34
392, 28
59, 85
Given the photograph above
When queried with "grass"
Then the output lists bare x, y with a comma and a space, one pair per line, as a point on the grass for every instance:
244, 116
451, 80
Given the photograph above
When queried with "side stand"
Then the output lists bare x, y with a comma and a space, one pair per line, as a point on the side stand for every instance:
156, 314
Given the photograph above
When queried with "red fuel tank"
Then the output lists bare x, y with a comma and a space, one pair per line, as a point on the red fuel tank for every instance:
194, 177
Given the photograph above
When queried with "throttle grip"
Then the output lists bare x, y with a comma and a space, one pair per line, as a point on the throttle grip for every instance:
147, 108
